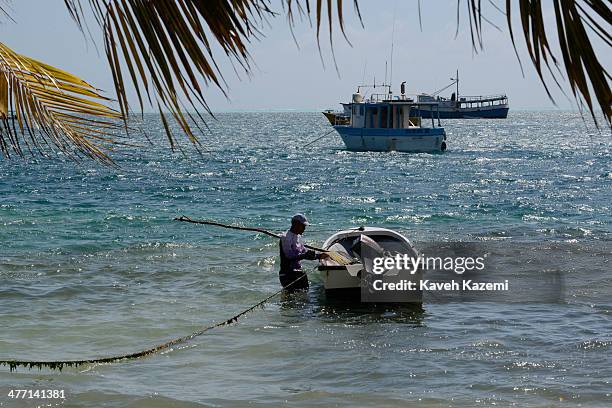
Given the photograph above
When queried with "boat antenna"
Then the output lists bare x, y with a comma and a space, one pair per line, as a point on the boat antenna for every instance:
392, 42
385, 73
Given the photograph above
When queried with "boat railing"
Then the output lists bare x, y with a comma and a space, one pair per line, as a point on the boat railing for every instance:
483, 98
386, 97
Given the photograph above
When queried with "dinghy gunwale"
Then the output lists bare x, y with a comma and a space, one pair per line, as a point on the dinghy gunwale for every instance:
368, 231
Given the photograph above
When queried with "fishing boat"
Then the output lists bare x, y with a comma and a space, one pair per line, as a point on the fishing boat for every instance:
354, 250
435, 106
338, 118
464, 107
384, 122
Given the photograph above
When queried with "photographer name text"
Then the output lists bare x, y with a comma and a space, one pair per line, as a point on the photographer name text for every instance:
453, 285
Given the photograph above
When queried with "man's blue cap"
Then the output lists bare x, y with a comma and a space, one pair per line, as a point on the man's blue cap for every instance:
299, 218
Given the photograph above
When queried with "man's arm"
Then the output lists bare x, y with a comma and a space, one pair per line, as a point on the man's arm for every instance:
294, 250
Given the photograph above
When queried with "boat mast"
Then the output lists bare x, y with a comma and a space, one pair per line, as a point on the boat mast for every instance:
392, 42
457, 81
385, 74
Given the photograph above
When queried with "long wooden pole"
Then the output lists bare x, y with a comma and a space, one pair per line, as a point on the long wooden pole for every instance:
235, 227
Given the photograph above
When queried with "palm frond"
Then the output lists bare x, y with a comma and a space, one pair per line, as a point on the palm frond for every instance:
5, 14
45, 107
169, 47
588, 79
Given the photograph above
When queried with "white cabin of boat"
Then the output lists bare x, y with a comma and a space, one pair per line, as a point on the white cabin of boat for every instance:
384, 122
384, 111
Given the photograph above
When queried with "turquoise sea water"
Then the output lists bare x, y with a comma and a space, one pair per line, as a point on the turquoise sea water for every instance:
92, 264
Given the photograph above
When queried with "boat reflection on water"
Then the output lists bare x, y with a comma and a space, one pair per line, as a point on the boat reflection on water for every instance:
314, 303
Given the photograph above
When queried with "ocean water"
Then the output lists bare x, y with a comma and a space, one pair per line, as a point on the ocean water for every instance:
92, 264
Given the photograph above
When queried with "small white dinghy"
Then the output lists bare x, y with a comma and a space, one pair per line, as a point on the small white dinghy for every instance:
352, 253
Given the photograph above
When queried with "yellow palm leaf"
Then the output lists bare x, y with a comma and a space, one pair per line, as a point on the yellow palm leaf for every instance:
52, 108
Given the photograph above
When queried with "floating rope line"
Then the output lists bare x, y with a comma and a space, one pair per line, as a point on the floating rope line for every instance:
60, 364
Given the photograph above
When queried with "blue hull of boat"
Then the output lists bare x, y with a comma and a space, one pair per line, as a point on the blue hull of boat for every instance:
400, 140
493, 113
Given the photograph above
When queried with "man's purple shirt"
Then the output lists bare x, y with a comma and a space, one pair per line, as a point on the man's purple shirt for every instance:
293, 248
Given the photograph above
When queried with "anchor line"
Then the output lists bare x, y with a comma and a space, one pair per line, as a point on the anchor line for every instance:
317, 139
59, 364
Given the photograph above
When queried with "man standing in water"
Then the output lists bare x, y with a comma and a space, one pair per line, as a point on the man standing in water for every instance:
292, 251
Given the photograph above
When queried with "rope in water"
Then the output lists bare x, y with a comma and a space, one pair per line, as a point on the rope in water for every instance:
317, 139
60, 364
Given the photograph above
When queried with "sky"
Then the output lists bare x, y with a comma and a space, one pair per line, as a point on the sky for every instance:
288, 77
